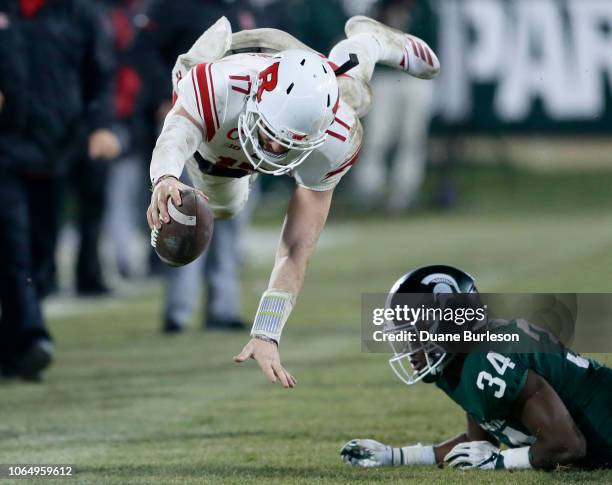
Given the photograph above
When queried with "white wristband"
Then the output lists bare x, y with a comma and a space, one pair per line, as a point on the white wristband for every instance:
273, 312
516, 458
413, 455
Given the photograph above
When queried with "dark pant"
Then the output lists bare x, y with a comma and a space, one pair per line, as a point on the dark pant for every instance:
29, 213
89, 179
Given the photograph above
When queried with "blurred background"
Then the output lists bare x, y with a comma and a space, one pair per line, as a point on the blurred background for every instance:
523, 102
501, 166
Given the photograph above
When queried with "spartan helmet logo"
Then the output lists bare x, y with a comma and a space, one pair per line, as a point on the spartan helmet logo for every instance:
444, 287
442, 283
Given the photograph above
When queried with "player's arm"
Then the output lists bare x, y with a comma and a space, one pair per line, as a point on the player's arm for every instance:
558, 439
179, 139
306, 216
370, 453
543, 413
473, 433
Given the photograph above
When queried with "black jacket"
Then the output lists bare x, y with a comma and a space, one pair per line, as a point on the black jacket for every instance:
56, 74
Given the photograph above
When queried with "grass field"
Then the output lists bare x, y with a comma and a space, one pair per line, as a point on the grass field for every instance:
125, 404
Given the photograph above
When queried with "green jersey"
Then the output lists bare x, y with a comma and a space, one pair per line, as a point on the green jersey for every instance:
490, 383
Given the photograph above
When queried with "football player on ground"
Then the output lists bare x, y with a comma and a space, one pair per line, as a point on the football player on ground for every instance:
260, 101
549, 408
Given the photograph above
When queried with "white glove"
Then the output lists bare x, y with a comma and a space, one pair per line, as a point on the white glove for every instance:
366, 453
474, 454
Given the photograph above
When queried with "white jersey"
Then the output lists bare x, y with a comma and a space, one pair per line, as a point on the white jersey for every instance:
215, 95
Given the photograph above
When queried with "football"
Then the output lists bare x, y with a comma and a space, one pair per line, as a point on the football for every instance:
186, 236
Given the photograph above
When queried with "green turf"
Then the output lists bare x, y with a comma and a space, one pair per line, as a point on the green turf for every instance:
125, 404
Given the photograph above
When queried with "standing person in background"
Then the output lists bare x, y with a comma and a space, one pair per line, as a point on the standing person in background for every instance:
398, 125
125, 195
59, 79
171, 29
89, 176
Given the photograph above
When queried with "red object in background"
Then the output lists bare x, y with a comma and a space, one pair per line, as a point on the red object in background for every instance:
128, 81
29, 8
128, 87
122, 25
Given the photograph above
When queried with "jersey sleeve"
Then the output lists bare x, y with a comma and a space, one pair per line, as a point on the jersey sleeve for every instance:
496, 380
330, 163
332, 177
196, 94
187, 96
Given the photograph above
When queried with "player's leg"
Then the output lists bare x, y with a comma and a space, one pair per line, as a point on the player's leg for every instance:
396, 48
355, 88
226, 196
375, 43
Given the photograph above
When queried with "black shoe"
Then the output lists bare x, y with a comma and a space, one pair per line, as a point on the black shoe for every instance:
232, 324
171, 326
34, 360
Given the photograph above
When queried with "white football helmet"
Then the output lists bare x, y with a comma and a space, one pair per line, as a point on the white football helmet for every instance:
292, 103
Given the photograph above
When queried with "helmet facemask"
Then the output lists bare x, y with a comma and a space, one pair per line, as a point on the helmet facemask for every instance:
298, 147
435, 357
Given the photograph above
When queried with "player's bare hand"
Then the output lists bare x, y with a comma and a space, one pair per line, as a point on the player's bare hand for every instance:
103, 144
267, 356
157, 212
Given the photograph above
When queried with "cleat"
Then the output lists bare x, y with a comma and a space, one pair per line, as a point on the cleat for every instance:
402, 51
